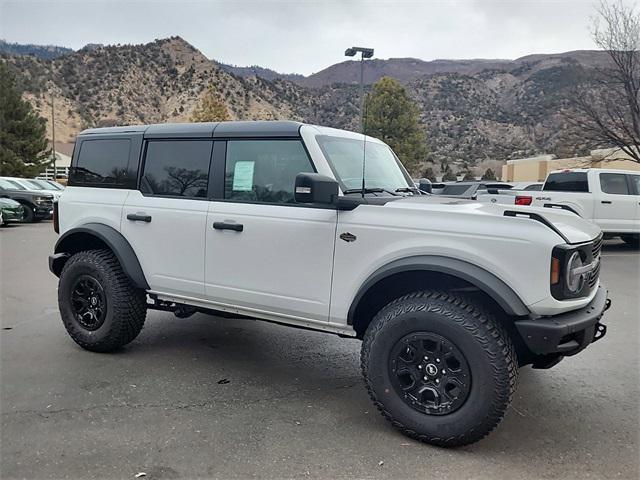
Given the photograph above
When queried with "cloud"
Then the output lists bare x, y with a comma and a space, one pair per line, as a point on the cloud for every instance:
305, 36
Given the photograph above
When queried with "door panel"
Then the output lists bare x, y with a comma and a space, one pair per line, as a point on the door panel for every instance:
281, 262
615, 210
170, 246
165, 221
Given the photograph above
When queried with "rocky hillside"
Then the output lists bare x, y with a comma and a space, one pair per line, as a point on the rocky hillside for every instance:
45, 52
472, 110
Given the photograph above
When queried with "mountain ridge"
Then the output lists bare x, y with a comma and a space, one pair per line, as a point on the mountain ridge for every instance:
472, 110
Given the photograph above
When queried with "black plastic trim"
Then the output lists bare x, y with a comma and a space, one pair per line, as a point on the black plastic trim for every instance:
567, 333
499, 291
558, 206
116, 242
537, 218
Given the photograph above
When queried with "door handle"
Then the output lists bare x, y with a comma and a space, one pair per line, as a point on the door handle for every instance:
139, 217
606, 202
237, 227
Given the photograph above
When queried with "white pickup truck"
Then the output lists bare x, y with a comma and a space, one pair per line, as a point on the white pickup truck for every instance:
609, 198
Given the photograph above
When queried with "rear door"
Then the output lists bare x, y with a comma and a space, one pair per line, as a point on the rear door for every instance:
164, 219
616, 205
265, 253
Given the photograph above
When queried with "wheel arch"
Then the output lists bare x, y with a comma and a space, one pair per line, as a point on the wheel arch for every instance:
429, 272
94, 236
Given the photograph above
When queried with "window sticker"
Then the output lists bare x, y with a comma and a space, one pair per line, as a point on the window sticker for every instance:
243, 176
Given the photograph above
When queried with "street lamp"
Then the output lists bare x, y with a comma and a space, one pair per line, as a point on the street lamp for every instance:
364, 53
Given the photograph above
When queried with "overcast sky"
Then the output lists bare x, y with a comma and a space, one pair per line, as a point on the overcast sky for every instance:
306, 36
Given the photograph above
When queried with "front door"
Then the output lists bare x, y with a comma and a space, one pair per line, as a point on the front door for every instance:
164, 221
264, 253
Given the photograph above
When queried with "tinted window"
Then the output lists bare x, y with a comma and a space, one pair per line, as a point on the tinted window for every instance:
264, 170
567, 182
635, 180
534, 187
9, 185
102, 162
615, 183
177, 168
455, 189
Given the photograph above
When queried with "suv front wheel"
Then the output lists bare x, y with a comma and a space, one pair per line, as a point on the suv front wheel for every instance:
439, 368
100, 308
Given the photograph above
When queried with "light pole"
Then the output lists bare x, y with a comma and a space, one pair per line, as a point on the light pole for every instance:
364, 53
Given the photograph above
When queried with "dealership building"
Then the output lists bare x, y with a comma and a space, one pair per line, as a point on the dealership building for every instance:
536, 168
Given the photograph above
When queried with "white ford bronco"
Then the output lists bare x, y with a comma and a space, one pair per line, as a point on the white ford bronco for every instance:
273, 220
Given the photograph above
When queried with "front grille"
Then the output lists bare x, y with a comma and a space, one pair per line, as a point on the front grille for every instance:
595, 255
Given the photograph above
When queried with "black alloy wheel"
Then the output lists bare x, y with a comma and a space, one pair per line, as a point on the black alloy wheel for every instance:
429, 373
88, 302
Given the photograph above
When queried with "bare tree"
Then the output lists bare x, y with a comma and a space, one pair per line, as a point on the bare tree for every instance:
607, 112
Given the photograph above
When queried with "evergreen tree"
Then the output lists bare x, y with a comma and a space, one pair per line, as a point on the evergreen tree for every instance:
449, 176
489, 175
23, 145
468, 175
429, 174
211, 109
394, 118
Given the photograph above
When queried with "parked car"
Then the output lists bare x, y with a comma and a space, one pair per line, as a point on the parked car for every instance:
34, 186
48, 185
527, 186
609, 198
37, 205
270, 220
10, 211
470, 190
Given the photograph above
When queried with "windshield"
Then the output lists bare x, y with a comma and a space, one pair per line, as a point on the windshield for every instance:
382, 169
39, 184
10, 185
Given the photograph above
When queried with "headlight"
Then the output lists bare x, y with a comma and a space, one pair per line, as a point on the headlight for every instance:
572, 270
576, 274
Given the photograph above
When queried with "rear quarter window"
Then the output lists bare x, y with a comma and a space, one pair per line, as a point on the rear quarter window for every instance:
102, 162
567, 182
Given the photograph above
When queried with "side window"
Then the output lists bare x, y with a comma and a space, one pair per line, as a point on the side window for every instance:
177, 168
567, 182
615, 183
102, 162
635, 180
264, 170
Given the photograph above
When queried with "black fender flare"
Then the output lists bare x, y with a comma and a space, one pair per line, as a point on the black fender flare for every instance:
485, 281
113, 239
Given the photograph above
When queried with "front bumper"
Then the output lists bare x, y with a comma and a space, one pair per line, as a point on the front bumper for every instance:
568, 333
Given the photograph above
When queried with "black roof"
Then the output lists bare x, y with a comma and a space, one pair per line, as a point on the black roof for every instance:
258, 128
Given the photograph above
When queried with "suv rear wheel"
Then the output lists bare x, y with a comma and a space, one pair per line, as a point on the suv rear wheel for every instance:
100, 307
440, 369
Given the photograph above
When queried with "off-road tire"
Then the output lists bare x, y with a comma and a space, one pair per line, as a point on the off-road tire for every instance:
126, 305
475, 332
632, 240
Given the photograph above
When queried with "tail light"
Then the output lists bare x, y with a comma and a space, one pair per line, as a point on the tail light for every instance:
56, 223
523, 200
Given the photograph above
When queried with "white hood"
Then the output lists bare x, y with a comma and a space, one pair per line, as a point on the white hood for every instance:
574, 228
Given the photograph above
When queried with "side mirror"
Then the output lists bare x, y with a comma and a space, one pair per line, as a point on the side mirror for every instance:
425, 185
315, 188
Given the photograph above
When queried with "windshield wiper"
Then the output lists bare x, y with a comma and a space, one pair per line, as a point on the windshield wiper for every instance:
369, 190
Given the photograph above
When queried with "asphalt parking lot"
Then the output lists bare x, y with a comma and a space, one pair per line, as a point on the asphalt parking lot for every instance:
220, 398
